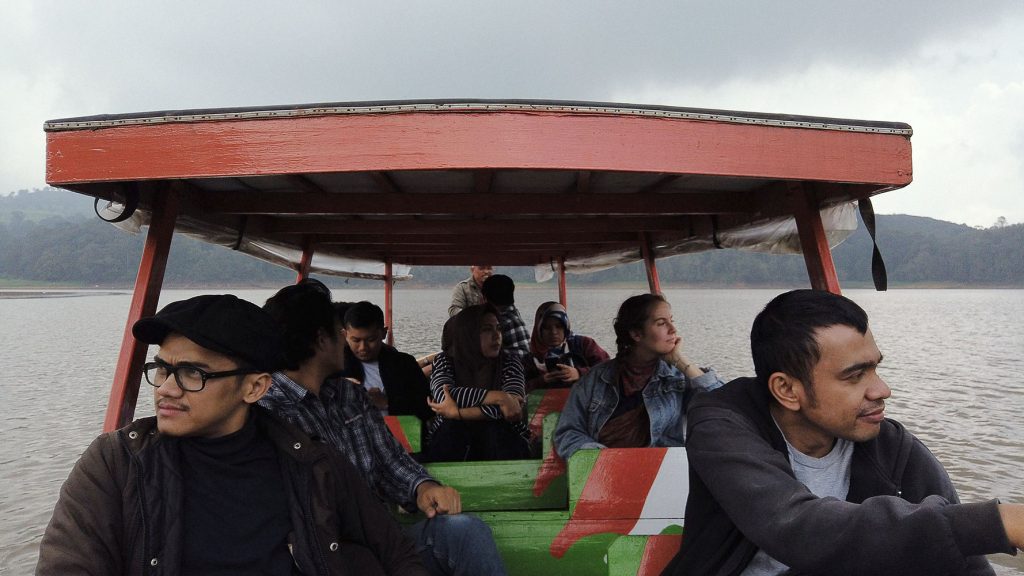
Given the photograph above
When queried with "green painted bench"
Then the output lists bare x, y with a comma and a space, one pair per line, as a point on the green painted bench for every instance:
407, 430
642, 555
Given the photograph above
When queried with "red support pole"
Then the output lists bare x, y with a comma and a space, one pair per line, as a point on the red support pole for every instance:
649, 265
813, 242
128, 374
306, 261
562, 293
389, 284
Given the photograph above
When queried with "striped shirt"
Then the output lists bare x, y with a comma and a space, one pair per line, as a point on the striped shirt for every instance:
344, 417
512, 381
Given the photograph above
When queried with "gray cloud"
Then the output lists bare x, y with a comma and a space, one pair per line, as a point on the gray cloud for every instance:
76, 59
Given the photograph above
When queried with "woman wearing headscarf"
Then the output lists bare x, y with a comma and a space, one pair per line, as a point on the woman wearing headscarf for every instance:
558, 357
477, 393
639, 398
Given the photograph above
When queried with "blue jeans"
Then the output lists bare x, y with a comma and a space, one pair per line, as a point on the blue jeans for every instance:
456, 545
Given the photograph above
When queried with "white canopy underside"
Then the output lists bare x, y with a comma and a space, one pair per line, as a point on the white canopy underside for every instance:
773, 236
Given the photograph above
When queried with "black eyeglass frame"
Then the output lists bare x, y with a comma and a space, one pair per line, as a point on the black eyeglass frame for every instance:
203, 374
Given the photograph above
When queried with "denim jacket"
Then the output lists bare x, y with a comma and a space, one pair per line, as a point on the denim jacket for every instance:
594, 398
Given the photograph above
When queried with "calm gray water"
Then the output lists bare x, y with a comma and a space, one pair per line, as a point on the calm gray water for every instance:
954, 359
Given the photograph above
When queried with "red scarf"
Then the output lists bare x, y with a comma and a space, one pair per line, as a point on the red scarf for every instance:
633, 378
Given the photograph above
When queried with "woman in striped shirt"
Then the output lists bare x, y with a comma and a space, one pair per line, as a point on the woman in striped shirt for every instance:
478, 393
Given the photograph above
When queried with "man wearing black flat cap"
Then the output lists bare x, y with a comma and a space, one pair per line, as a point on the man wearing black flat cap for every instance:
213, 483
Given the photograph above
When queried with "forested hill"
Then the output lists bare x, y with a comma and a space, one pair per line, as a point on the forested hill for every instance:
52, 236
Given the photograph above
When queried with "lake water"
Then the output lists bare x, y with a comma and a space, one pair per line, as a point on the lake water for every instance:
954, 359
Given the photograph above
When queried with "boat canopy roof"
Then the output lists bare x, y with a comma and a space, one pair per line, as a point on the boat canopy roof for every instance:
461, 182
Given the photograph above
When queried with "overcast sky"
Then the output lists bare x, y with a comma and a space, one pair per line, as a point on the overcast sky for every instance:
952, 70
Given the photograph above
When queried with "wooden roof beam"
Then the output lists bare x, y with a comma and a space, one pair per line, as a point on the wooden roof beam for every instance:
303, 183
523, 239
482, 181
697, 202
384, 182
400, 226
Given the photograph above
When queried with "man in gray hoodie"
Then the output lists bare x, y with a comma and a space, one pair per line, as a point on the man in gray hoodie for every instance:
798, 469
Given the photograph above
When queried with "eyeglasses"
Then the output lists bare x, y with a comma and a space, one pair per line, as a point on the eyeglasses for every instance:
188, 378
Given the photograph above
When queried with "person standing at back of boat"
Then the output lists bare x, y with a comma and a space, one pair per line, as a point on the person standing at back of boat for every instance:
639, 398
478, 393
467, 293
309, 393
797, 470
499, 291
213, 484
558, 357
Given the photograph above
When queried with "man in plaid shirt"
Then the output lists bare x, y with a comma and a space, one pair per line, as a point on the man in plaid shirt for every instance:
499, 291
339, 413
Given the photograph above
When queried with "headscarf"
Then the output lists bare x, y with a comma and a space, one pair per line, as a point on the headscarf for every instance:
538, 349
461, 342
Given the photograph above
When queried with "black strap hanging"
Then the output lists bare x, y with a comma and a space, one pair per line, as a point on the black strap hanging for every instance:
129, 205
867, 214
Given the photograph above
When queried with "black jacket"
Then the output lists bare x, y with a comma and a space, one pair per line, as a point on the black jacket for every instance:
901, 516
404, 382
119, 510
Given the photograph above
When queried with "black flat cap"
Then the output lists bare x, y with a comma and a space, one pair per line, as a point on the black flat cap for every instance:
220, 322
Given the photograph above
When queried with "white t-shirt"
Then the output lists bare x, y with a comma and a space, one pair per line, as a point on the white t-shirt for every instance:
824, 477
371, 378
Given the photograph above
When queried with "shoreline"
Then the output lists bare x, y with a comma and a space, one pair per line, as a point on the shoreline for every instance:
12, 294
7, 289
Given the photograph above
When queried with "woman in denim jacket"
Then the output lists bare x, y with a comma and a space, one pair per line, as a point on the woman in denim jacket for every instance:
638, 398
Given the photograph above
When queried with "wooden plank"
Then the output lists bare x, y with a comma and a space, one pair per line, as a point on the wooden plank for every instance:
650, 266
553, 466
507, 204
397, 226
542, 402
523, 539
389, 288
813, 241
522, 238
407, 430
124, 392
499, 485
474, 140
305, 261
642, 555
626, 491
563, 295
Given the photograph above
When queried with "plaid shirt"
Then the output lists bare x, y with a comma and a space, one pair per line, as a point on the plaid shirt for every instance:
514, 337
344, 417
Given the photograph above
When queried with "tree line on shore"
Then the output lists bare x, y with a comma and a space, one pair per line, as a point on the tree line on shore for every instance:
51, 236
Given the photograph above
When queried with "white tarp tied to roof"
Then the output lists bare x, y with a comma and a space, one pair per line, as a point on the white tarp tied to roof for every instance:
286, 256
774, 236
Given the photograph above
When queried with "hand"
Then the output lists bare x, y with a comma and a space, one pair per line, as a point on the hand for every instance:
433, 499
1012, 516
552, 376
676, 355
568, 374
511, 407
379, 398
447, 407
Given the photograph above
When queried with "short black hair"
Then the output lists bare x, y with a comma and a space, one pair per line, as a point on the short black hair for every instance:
340, 308
499, 290
782, 337
364, 315
302, 310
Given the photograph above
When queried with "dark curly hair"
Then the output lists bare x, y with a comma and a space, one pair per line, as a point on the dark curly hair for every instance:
633, 313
